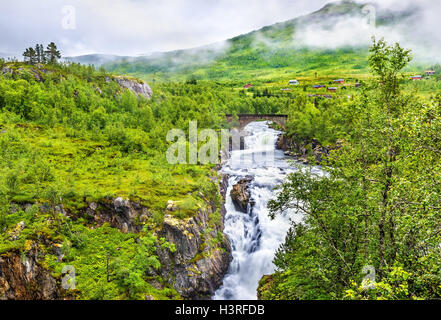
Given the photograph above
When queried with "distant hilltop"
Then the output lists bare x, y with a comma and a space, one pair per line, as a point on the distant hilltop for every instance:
326, 39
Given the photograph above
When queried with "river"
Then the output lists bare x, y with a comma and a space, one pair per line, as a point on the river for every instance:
254, 237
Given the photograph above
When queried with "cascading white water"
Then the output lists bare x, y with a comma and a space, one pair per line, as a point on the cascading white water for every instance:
254, 236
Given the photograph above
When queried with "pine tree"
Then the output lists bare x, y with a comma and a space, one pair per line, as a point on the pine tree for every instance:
33, 56
27, 56
30, 56
52, 53
43, 54
38, 54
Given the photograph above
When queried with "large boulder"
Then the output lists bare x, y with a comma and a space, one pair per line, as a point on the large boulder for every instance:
241, 195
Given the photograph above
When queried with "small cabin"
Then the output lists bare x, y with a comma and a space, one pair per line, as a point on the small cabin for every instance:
247, 86
332, 89
415, 78
339, 81
318, 86
358, 85
430, 72
293, 83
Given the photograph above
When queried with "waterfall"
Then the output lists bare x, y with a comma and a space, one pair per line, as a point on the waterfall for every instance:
254, 236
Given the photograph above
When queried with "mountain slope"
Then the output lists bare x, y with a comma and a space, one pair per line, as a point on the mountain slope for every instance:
280, 50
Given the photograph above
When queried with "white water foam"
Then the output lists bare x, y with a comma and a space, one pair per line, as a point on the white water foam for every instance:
254, 237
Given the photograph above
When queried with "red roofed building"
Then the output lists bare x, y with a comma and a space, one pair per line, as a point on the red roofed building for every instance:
247, 86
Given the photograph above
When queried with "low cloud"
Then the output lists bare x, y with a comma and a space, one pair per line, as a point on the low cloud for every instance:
136, 27
139, 27
416, 28
353, 31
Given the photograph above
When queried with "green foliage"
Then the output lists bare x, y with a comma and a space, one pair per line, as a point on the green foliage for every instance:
39, 55
378, 206
70, 135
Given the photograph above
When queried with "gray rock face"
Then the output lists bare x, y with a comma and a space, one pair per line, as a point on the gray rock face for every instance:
33, 71
241, 196
24, 279
203, 253
123, 214
202, 257
7, 70
223, 186
139, 88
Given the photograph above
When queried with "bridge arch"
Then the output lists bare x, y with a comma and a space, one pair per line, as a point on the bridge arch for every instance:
246, 119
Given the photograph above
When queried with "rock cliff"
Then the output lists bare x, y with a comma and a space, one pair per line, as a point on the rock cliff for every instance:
195, 269
202, 256
22, 278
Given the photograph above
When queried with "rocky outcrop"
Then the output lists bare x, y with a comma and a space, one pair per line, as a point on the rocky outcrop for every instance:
223, 186
22, 278
7, 70
264, 287
138, 87
303, 150
241, 195
203, 254
125, 215
202, 257
195, 268
34, 72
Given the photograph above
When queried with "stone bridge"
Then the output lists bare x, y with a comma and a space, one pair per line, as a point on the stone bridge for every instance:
245, 119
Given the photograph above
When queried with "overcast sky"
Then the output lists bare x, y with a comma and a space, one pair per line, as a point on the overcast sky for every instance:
134, 27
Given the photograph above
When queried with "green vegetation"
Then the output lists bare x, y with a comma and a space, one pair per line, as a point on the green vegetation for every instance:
70, 136
39, 55
379, 207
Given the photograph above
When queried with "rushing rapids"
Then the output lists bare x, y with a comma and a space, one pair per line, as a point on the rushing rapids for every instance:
254, 236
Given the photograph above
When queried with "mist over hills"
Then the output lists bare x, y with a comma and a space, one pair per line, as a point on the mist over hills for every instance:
334, 37
95, 59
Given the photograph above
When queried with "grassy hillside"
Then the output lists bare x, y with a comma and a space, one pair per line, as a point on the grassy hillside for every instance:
273, 52
72, 137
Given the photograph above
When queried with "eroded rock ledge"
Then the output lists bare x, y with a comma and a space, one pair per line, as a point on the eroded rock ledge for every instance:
202, 256
241, 195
